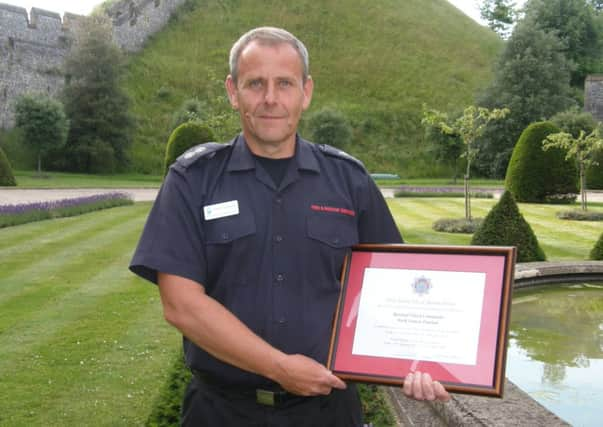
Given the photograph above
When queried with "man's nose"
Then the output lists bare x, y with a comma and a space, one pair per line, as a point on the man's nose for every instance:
270, 96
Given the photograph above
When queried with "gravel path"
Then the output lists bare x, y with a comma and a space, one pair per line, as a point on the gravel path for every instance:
13, 196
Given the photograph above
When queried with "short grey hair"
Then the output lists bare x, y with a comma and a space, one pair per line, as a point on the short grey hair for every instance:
269, 36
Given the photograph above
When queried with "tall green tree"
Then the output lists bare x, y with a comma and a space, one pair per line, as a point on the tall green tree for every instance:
583, 149
101, 126
499, 14
532, 79
469, 126
43, 122
574, 23
330, 126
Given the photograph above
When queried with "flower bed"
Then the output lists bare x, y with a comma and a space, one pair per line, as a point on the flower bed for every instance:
28, 212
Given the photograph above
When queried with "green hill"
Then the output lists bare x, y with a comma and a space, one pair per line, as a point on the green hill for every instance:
377, 61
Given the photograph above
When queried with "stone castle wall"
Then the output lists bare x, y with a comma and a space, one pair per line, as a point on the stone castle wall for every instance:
593, 96
33, 49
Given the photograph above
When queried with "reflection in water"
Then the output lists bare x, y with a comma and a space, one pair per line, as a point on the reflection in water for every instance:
556, 349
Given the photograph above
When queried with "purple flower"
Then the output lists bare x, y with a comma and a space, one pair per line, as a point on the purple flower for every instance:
24, 208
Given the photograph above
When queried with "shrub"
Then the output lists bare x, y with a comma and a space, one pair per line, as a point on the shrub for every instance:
580, 215
329, 126
457, 225
535, 175
594, 174
185, 136
505, 226
7, 179
597, 251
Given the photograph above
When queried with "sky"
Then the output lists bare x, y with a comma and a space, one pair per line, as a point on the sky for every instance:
84, 7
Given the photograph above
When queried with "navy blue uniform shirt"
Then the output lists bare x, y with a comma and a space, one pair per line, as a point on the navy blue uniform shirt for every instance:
275, 264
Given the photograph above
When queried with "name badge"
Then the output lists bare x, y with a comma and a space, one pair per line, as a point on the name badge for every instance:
221, 210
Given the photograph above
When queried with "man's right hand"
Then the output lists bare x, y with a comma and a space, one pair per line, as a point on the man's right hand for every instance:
304, 376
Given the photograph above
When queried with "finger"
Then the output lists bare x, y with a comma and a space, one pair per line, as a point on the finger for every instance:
427, 387
417, 390
407, 386
440, 392
336, 382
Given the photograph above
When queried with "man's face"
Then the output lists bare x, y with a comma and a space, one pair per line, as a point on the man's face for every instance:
270, 96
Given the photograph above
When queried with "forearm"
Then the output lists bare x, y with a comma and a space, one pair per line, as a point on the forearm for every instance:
212, 327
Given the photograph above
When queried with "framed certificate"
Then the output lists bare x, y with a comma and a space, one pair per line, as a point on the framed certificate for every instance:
437, 309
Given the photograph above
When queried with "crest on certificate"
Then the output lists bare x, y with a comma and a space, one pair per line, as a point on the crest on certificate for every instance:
421, 285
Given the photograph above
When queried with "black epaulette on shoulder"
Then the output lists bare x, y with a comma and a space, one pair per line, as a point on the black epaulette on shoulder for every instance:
336, 152
206, 150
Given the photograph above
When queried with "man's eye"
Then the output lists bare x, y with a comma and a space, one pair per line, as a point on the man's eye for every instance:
254, 84
284, 83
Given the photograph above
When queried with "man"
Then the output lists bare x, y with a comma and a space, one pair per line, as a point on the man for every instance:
246, 241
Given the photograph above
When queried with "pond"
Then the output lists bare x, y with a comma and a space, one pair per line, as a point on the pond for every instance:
556, 349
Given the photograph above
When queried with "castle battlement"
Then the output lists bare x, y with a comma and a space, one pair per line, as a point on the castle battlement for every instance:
33, 48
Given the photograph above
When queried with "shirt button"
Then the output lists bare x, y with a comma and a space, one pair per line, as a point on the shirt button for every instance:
280, 277
278, 200
278, 238
225, 236
335, 240
282, 320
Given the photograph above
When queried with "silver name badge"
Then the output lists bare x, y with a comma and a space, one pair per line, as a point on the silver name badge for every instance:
221, 210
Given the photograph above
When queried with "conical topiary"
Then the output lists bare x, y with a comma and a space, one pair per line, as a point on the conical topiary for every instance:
537, 176
505, 226
7, 179
597, 251
185, 136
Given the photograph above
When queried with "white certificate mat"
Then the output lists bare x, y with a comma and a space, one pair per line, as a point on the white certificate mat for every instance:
420, 315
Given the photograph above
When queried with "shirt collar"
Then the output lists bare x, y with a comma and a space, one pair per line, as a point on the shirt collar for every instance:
242, 158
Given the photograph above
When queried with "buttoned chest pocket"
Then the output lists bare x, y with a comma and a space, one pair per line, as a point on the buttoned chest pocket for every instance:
228, 242
332, 235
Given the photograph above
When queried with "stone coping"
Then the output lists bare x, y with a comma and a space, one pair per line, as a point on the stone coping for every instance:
539, 273
516, 408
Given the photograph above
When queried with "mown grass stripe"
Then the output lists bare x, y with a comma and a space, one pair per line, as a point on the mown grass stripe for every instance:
71, 230
19, 237
47, 268
120, 345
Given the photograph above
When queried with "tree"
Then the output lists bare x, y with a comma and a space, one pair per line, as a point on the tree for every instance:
505, 226
469, 126
583, 149
597, 251
43, 122
94, 101
531, 79
574, 23
535, 176
446, 148
6, 172
329, 126
499, 14
191, 110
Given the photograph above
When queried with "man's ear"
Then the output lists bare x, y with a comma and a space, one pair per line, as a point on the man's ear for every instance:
308, 90
231, 90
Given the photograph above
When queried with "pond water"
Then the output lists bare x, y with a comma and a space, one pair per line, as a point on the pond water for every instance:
556, 349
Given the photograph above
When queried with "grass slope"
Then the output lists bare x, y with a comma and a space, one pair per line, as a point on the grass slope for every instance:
377, 60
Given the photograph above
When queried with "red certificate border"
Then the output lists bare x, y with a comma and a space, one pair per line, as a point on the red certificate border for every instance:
486, 377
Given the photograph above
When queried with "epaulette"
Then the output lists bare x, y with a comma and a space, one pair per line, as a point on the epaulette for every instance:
336, 152
206, 150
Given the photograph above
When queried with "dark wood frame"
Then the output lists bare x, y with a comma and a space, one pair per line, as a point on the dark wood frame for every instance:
495, 388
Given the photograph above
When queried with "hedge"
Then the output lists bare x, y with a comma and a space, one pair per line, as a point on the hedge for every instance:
539, 176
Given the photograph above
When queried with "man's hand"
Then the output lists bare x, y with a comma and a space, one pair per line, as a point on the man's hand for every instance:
304, 376
420, 386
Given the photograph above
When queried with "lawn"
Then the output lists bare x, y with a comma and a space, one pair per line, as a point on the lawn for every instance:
84, 341
30, 179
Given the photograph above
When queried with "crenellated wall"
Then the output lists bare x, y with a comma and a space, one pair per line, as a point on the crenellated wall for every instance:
33, 49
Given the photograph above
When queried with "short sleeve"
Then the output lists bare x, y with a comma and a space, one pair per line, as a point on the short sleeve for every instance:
376, 224
171, 241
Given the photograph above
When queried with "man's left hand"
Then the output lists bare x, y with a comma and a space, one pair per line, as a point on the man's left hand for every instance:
420, 386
